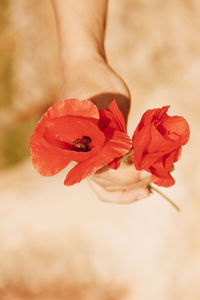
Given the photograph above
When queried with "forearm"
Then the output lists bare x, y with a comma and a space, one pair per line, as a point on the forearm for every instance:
81, 28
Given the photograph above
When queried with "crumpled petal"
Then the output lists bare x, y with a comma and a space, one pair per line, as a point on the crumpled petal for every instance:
178, 128
116, 120
118, 145
147, 160
160, 142
141, 137
171, 158
112, 117
117, 116
161, 181
160, 175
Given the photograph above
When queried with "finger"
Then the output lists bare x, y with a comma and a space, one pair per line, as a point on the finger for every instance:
144, 180
128, 176
120, 196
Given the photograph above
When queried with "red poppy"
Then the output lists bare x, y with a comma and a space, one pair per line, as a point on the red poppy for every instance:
157, 143
74, 130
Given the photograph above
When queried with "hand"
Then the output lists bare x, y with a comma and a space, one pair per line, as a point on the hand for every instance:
126, 184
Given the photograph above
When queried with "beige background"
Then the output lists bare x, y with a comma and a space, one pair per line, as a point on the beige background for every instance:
63, 243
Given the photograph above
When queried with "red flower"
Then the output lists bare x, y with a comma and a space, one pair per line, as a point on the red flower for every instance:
74, 130
157, 143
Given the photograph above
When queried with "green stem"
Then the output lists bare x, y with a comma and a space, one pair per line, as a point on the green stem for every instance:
164, 196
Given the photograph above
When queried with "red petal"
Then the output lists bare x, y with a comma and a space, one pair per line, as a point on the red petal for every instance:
47, 159
160, 142
141, 137
117, 146
171, 158
117, 115
178, 128
112, 117
165, 182
104, 119
147, 160
161, 112
161, 175
73, 107
149, 116
115, 163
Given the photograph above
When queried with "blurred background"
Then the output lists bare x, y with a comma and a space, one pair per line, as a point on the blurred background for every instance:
60, 242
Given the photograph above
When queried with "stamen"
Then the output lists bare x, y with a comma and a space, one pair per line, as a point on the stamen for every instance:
82, 144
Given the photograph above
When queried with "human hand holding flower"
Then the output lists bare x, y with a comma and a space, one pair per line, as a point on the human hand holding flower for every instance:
101, 85
76, 130
96, 140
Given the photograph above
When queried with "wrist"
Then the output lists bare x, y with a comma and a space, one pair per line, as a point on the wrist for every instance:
92, 78
82, 64
77, 56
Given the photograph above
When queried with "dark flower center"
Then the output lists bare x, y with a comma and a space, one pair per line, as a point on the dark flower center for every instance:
82, 145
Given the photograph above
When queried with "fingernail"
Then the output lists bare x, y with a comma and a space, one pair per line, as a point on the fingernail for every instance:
144, 174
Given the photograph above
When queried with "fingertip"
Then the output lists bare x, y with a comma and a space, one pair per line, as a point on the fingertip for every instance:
142, 194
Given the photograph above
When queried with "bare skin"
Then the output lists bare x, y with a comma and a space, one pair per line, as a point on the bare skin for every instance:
86, 74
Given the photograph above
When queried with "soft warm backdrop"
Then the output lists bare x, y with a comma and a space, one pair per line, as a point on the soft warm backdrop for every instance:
63, 243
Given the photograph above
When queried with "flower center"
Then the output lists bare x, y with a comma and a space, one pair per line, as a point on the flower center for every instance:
82, 145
